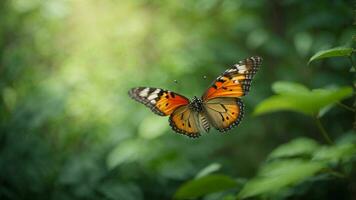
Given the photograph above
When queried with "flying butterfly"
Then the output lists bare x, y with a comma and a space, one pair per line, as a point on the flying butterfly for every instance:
220, 106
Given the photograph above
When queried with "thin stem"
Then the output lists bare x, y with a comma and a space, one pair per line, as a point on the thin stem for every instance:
336, 173
345, 106
323, 131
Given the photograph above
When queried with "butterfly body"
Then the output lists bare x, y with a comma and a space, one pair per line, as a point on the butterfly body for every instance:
220, 106
196, 104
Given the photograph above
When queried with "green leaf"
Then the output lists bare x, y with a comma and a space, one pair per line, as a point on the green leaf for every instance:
205, 185
334, 154
295, 97
213, 167
335, 52
229, 197
324, 110
277, 175
347, 138
278, 103
284, 87
297, 147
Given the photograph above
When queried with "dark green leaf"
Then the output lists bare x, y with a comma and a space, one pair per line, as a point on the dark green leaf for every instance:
277, 175
324, 110
334, 154
205, 185
335, 52
297, 147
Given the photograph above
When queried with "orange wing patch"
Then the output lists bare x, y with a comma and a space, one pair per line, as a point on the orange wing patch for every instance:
225, 87
162, 102
170, 101
184, 121
234, 82
224, 113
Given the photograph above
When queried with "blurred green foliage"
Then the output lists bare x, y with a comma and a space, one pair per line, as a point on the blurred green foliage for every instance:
296, 97
69, 130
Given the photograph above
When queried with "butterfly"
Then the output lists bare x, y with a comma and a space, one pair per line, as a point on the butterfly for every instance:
220, 106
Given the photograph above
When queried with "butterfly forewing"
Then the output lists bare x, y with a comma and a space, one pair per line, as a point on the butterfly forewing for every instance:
224, 112
162, 102
236, 81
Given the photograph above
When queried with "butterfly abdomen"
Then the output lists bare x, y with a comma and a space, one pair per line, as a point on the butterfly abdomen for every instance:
204, 123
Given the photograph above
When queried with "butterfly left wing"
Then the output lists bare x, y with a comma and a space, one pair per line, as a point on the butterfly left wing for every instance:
234, 82
188, 122
224, 113
161, 102
184, 121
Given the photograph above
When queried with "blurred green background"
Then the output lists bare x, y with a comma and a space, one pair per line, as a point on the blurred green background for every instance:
70, 131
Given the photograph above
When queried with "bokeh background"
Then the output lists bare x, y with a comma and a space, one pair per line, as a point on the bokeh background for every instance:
70, 131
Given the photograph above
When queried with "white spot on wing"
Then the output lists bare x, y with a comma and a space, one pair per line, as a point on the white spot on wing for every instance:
241, 68
144, 92
230, 70
152, 96
156, 91
253, 59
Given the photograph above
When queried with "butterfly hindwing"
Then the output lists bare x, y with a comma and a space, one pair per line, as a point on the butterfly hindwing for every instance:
224, 113
160, 101
236, 81
185, 121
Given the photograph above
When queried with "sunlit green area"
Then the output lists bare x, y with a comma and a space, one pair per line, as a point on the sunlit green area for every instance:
70, 131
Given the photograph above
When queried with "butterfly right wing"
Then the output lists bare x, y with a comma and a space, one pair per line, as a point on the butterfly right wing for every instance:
161, 102
234, 82
224, 113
